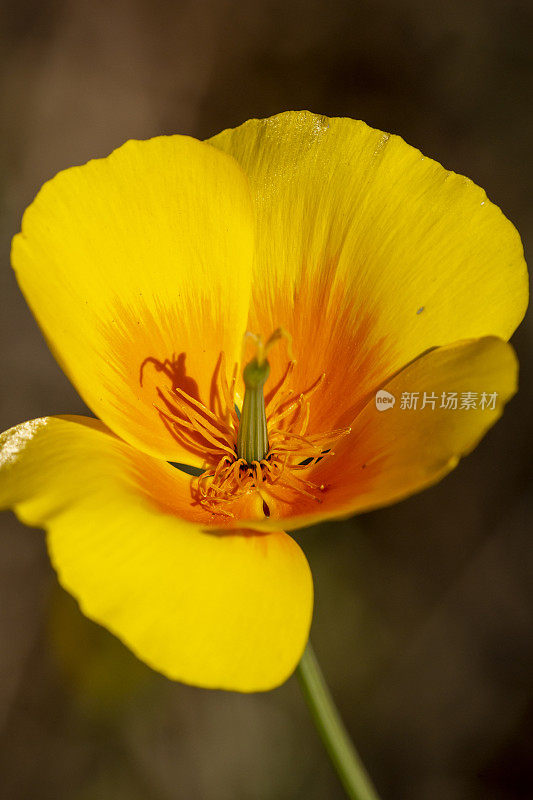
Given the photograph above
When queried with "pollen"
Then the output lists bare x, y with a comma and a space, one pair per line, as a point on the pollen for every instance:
228, 476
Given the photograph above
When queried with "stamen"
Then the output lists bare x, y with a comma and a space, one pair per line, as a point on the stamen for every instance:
204, 428
296, 404
183, 436
208, 430
305, 422
264, 447
229, 394
302, 396
276, 394
202, 408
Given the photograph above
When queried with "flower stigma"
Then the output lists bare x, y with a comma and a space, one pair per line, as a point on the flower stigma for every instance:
265, 444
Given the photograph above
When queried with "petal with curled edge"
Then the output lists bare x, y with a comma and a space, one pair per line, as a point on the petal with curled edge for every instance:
216, 609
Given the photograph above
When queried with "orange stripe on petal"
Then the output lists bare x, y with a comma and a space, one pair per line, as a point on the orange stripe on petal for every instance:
394, 453
368, 253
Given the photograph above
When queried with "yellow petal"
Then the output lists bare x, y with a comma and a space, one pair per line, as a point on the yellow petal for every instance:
145, 254
213, 609
368, 253
393, 453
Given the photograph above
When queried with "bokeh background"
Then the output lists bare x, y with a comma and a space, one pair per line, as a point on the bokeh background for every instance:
423, 611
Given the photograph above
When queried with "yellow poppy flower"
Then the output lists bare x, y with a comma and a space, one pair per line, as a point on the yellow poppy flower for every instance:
144, 270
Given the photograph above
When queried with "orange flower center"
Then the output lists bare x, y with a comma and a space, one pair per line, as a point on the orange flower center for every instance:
226, 476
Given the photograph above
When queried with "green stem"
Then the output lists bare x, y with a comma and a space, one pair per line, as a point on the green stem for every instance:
334, 735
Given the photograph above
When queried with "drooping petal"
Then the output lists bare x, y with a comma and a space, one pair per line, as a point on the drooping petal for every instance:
143, 257
215, 609
368, 253
393, 453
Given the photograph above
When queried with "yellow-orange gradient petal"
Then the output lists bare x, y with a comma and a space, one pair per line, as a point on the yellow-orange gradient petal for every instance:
368, 253
393, 453
213, 609
143, 257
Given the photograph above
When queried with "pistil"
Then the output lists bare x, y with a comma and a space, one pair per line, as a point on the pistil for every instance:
252, 438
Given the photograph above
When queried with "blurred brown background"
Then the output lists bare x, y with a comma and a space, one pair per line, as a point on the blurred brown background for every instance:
423, 611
